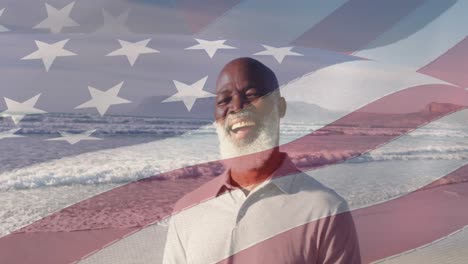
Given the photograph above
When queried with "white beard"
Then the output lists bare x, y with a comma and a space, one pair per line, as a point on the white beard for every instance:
267, 139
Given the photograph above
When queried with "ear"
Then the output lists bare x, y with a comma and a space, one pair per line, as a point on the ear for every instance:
282, 107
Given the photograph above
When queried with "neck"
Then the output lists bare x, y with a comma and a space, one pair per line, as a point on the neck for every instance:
249, 177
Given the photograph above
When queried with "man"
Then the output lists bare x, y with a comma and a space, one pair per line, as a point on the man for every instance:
262, 209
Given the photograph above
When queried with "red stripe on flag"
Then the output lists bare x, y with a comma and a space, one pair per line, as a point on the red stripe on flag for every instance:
342, 32
451, 66
56, 247
131, 207
199, 14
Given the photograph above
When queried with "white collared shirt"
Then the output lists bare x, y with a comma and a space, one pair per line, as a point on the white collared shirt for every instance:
288, 219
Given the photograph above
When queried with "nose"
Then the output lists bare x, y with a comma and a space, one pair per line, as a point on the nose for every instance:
238, 103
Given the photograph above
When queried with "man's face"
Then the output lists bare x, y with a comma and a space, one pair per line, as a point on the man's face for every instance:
247, 114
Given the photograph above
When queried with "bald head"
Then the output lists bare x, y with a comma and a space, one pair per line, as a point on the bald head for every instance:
242, 69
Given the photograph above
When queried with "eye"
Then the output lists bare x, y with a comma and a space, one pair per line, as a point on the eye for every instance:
251, 93
223, 101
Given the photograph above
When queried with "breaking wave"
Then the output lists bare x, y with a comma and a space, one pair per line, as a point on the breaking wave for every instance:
119, 166
420, 153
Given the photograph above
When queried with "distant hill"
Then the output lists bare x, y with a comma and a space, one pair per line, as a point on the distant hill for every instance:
426, 114
435, 107
301, 112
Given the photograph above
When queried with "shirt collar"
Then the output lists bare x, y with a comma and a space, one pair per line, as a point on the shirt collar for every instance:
281, 178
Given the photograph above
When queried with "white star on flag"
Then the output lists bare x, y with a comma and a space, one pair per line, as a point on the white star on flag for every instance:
73, 138
17, 110
133, 50
210, 46
103, 100
114, 24
2, 28
10, 133
278, 53
57, 19
49, 52
188, 94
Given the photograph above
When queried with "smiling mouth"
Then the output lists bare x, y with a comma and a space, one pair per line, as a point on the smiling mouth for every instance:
242, 124
243, 129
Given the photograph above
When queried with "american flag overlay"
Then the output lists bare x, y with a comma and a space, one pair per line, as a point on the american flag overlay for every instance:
106, 120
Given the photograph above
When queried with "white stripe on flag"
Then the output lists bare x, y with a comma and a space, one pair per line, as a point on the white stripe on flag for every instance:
427, 44
144, 246
353, 84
